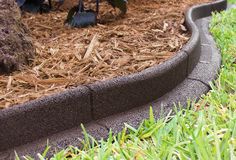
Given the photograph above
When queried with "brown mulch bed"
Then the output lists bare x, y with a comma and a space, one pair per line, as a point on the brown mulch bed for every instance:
151, 32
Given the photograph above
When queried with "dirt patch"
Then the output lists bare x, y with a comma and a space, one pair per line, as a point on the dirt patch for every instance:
16, 48
149, 34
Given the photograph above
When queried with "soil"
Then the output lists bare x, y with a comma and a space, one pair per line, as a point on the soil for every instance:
150, 33
16, 47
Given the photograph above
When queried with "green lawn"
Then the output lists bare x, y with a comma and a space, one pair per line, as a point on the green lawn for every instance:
206, 130
231, 1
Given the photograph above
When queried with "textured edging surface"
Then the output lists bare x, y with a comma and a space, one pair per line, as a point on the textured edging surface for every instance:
28, 122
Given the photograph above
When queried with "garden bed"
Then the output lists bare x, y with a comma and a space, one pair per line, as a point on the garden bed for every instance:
150, 33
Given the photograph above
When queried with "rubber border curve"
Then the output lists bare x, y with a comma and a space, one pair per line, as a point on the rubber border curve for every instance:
46, 116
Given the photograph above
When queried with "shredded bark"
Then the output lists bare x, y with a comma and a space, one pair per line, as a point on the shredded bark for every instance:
150, 33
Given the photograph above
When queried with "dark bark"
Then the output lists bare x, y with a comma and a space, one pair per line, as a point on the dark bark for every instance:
16, 49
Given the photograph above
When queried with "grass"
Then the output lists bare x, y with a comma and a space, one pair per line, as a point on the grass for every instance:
231, 1
206, 130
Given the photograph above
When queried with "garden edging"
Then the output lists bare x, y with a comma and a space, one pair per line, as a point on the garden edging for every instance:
128, 97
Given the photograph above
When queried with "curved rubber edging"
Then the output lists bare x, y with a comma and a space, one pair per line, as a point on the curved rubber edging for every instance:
45, 116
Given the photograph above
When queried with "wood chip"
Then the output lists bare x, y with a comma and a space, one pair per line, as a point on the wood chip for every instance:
9, 83
91, 46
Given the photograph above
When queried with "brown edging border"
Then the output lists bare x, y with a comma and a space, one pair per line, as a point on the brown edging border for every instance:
45, 116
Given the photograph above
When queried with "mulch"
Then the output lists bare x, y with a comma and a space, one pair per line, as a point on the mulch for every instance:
150, 33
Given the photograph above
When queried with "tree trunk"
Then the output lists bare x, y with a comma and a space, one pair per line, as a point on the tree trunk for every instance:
16, 49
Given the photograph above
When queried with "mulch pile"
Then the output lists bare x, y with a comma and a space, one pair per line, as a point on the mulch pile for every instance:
150, 33
15, 44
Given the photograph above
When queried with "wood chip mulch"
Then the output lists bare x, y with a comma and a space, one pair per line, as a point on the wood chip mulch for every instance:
150, 33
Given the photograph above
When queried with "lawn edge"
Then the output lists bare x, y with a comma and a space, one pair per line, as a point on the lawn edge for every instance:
46, 116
